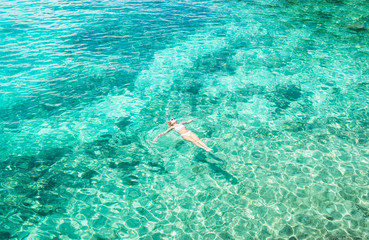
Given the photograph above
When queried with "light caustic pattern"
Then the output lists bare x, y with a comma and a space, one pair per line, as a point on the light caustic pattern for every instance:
281, 89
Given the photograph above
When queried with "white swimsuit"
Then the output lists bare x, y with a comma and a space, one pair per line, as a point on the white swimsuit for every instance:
180, 127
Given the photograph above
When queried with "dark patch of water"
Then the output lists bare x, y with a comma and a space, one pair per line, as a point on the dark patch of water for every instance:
190, 85
13, 28
202, 157
244, 94
283, 95
220, 61
34, 166
144, 212
67, 229
262, 133
101, 148
128, 166
89, 174
179, 145
51, 155
226, 236
130, 180
157, 168
5, 235
123, 122
363, 210
17, 163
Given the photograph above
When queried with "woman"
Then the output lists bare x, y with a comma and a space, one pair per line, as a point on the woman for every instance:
185, 133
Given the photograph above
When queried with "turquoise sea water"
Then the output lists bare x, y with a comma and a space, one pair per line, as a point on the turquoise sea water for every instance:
281, 88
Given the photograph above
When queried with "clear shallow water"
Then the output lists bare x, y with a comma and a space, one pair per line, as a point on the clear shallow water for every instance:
281, 89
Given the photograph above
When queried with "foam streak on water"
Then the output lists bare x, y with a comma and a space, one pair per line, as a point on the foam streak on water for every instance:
281, 89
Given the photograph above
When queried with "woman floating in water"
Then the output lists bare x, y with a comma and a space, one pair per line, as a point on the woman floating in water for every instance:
185, 133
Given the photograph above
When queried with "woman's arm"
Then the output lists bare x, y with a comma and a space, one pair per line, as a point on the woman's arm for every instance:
163, 133
188, 121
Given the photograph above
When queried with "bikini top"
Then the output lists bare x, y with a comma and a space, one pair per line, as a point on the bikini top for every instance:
179, 127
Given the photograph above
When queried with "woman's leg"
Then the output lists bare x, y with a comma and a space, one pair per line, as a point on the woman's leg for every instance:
204, 145
201, 143
196, 140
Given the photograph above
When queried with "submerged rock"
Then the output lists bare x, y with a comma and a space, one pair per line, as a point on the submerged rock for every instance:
251, 90
201, 157
220, 61
125, 140
89, 174
123, 122
51, 184
100, 148
356, 26
290, 92
51, 155
157, 168
16, 163
4, 235
130, 180
283, 95
112, 165
46, 210
128, 165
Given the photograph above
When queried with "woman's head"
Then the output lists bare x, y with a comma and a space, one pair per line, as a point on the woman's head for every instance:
171, 122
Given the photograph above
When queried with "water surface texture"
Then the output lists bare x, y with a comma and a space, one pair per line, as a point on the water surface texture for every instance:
281, 89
